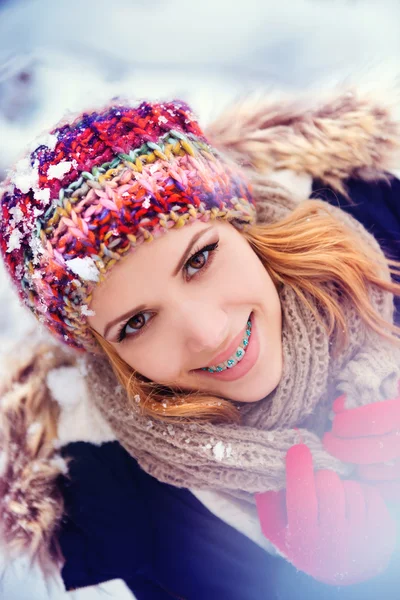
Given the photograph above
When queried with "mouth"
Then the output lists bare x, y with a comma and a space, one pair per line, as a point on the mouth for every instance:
241, 360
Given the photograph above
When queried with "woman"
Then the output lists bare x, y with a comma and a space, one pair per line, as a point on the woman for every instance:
232, 337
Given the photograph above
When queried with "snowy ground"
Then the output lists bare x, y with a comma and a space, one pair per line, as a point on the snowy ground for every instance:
67, 55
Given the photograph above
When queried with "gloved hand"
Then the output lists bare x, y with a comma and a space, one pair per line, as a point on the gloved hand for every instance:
369, 437
339, 532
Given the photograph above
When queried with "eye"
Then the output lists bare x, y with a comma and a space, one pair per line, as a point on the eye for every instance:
200, 259
133, 326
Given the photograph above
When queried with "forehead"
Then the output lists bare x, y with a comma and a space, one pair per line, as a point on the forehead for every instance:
153, 259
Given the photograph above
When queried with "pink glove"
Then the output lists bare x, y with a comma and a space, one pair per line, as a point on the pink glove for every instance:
369, 437
339, 532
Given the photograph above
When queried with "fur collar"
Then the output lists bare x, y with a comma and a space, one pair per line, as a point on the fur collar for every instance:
344, 134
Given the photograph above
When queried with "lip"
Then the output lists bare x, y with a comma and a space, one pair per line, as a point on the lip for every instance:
248, 361
223, 356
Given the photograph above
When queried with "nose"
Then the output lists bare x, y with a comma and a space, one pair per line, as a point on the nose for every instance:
205, 327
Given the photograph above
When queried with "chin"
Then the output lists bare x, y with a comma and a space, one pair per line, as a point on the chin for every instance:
258, 390
257, 395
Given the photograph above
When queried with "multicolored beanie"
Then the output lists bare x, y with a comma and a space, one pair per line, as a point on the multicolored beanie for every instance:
92, 190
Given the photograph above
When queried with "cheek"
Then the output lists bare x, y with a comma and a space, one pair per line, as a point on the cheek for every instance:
155, 360
251, 281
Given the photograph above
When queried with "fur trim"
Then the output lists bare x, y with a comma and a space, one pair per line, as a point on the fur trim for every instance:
44, 407
347, 134
30, 502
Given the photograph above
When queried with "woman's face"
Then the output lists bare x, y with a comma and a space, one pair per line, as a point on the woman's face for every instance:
197, 297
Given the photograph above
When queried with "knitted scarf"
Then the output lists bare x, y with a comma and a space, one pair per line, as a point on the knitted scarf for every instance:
250, 457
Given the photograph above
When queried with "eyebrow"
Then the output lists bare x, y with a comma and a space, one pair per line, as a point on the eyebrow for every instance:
190, 245
175, 272
122, 318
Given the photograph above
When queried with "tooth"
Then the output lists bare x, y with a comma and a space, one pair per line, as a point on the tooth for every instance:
234, 359
239, 354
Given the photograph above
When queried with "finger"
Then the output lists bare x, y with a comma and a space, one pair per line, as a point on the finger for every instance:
389, 471
355, 505
371, 419
380, 525
364, 450
331, 500
301, 496
271, 508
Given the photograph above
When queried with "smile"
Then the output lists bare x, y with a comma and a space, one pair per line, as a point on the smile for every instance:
236, 357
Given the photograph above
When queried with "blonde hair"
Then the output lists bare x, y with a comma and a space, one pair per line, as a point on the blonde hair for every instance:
306, 250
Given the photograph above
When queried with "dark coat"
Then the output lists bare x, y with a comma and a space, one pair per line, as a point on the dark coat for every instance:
122, 523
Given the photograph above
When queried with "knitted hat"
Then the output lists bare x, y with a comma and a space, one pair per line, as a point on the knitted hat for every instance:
92, 190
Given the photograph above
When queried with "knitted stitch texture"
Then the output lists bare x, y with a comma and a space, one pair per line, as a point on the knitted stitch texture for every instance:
248, 458
331, 138
93, 190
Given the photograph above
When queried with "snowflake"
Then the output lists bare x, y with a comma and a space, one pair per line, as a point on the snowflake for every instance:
146, 203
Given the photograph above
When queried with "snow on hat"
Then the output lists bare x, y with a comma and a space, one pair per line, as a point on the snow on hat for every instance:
95, 188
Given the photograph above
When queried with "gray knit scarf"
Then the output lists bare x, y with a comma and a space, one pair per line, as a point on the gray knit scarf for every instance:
250, 457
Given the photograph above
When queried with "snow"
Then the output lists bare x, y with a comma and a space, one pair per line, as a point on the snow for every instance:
14, 241
16, 214
37, 249
43, 195
3, 461
67, 385
25, 176
34, 428
312, 43
58, 171
146, 203
85, 268
47, 139
85, 311
220, 451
